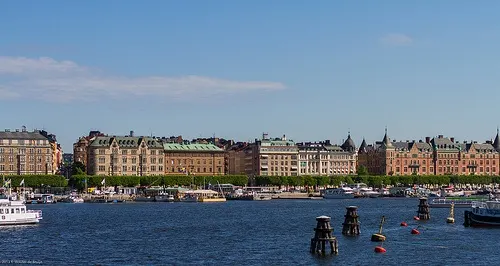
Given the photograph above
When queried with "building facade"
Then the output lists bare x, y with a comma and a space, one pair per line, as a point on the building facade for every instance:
436, 156
125, 155
323, 158
194, 159
264, 157
80, 148
23, 152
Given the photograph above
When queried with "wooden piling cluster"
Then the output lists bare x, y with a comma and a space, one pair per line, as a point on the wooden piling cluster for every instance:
350, 227
322, 236
423, 209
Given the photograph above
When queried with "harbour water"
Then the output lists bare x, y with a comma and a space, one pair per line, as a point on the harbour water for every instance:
276, 232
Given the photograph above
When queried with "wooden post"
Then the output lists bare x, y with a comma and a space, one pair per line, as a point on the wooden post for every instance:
423, 209
323, 234
351, 222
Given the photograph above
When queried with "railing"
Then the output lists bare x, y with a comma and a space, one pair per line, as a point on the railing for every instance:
37, 212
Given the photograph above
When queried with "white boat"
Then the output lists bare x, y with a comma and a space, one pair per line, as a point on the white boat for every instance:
76, 200
261, 196
164, 198
189, 197
339, 193
15, 213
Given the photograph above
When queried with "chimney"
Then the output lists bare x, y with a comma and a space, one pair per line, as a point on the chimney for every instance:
131, 133
24, 128
440, 136
284, 137
327, 142
452, 139
427, 139
265, 136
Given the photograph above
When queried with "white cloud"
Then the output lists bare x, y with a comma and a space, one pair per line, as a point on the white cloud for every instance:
396, 39
49, 79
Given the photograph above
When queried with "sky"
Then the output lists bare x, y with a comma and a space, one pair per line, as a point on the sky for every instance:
312, 70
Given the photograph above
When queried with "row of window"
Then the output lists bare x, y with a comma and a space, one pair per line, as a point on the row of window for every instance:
23, 151
23, 142
191, 161
12, 210
23, 167
198, 170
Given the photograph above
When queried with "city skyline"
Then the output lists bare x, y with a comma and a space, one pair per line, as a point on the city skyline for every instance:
237, 69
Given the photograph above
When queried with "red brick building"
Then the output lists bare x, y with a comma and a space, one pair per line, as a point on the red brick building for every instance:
436, 156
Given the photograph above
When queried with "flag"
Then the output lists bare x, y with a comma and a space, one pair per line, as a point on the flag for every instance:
22, 182
103, 181
7, 183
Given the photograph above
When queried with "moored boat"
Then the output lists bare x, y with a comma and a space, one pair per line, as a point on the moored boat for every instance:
459, 202
483, 213
164, 198
339, 193
14, 212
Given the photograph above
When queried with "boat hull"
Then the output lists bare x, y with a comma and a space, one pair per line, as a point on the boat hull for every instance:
164, 199
20, 222
483, 221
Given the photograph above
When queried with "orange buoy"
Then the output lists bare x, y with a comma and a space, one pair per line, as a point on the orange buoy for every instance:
404, 224
415, 232
416, 218
379, 249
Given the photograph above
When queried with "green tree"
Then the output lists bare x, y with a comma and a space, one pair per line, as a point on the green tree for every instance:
77, 168
362, 170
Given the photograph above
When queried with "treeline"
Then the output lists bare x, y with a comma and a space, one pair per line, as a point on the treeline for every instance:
374, 181
78, 181
36, 180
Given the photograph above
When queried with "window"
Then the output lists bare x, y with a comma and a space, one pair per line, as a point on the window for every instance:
134, 168
124, 168
124, 160
102, 168
23, 210
153, 168
17, 210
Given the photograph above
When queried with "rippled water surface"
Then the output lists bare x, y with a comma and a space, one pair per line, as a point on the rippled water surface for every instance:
276, 232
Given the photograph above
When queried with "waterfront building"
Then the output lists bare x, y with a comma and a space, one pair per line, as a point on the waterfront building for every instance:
125, 155
237, 161
23, 152
80, 147
323, 158
436, 156
194, 159
266, 156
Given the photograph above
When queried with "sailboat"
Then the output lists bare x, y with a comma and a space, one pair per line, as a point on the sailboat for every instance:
379, 237
451, 218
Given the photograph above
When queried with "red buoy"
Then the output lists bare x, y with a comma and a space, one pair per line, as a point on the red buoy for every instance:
416, 218
415, 232
404, 224
379, 249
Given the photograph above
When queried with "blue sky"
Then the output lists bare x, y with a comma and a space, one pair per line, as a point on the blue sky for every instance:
312, 70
